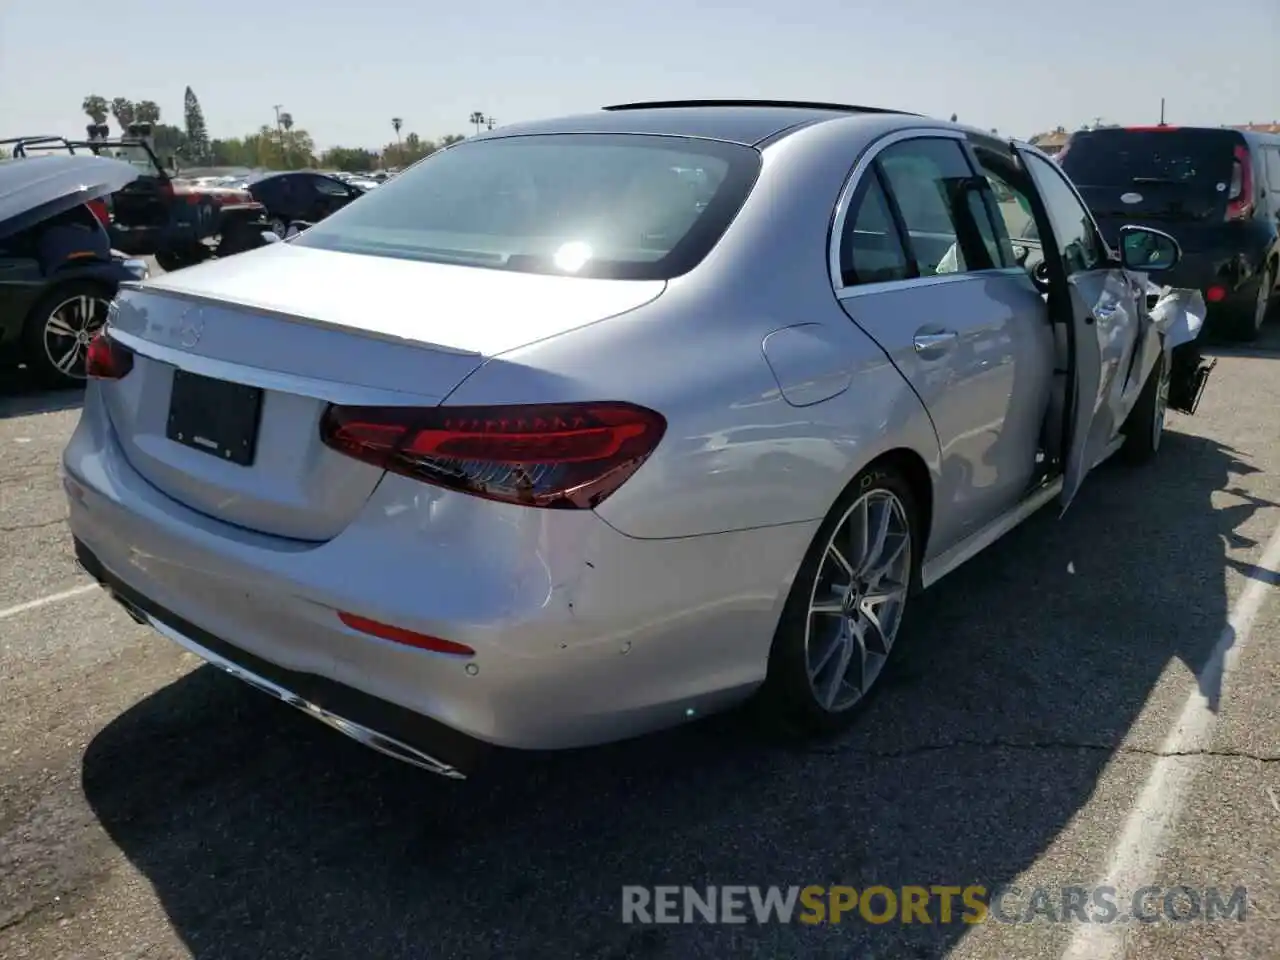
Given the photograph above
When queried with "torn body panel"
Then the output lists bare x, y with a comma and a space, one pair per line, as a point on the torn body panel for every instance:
1122, 324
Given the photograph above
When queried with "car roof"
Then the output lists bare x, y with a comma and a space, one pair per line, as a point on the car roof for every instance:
748, 122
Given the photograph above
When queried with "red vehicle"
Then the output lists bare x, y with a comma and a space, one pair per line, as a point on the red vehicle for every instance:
159, 215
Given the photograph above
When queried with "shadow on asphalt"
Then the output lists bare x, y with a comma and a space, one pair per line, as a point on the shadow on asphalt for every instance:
264, 834
21, 395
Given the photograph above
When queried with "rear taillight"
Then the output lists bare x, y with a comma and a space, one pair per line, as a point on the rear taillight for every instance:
107, 359
562, 456
100, 212
1240, 197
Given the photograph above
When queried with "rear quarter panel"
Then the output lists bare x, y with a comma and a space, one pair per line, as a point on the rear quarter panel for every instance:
737, 454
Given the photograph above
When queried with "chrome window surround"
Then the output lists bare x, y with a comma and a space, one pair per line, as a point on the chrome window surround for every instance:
854, 180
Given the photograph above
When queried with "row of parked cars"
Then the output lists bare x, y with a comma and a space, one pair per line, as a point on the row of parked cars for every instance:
590, 426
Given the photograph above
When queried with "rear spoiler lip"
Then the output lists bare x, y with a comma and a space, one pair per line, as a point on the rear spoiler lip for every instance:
147, 288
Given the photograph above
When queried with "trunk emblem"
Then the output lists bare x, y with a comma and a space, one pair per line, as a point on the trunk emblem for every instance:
190, 327
1130, 198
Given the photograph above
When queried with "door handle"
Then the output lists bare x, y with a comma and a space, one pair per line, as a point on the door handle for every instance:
934, 342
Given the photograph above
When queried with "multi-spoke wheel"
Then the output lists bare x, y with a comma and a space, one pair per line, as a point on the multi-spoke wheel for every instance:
857, 599
60, 327
846, 606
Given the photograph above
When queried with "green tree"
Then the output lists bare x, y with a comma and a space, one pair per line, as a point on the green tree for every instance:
125, 112
96, 108
146, 111
170, 141
451, 138
352, 160
197, 132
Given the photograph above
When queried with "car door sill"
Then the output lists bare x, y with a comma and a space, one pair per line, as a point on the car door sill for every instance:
937, 568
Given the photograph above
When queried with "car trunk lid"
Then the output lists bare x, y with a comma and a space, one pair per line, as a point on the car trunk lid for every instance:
253, 348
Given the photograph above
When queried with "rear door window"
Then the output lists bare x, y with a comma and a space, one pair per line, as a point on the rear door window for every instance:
871, 250
1272, 155
940, 202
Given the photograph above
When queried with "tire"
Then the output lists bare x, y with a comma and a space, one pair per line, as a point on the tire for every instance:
804, 692
1247, 326
78, 307
1144, 429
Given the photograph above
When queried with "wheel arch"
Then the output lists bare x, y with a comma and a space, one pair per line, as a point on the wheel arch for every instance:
916, 473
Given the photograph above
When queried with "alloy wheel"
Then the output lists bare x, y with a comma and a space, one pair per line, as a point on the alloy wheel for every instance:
67, 332
858, 597
1264, 300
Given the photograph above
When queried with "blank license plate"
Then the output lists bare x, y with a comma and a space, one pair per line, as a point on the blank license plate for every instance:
215, 416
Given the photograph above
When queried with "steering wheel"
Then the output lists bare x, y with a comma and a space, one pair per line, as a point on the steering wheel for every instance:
1040, 276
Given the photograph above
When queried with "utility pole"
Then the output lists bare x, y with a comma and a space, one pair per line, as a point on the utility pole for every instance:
489, 122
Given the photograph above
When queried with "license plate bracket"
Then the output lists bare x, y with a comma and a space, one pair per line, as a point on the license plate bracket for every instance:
216, 417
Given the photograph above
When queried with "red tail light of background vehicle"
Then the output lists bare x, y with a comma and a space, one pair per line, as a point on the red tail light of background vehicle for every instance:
1240, 199
99, 210
107, 359
558, 456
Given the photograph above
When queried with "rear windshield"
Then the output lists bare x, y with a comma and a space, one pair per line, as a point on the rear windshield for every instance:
1199, 159
624, 207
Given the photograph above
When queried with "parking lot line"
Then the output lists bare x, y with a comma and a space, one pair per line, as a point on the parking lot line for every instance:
1155, 813
8, 612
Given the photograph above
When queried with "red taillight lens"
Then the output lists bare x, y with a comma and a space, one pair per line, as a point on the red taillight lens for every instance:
408, 638
1215, 294
99, 210
1240, 199
107, 359
564, 456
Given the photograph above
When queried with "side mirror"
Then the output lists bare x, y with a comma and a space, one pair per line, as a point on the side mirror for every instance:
1147, 250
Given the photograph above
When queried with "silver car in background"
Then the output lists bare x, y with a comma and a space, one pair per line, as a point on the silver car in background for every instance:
590, 426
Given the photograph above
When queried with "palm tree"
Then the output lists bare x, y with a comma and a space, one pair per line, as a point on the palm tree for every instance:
396, 124
476, 118
96, 107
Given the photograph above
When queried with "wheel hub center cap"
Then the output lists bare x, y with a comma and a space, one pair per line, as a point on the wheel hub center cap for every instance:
853, 599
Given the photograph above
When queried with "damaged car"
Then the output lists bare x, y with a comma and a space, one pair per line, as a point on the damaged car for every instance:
680, 405
58, 272
158, 214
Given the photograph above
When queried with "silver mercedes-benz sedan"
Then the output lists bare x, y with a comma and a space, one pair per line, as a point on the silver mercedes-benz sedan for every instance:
586, 427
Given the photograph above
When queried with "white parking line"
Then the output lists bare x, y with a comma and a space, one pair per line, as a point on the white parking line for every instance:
1154, 815
8, 612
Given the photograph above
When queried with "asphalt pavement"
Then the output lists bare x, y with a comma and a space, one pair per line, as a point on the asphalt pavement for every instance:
1056, 718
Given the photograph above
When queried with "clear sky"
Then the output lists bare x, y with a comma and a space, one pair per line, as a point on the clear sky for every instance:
344, 68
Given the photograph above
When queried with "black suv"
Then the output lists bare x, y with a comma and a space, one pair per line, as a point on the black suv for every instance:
1217, 190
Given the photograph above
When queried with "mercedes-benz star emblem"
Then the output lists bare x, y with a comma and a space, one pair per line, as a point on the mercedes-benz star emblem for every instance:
190, 327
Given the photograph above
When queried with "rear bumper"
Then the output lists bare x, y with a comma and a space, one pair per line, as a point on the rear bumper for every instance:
382, 726
582, 635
